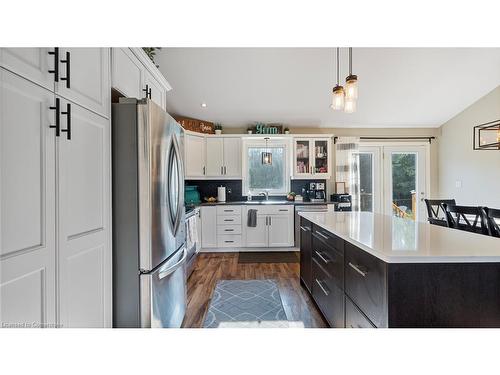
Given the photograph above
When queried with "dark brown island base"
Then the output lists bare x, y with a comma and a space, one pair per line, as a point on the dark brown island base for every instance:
354, 288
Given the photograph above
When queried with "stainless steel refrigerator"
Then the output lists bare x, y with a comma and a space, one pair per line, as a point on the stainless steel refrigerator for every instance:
149, 254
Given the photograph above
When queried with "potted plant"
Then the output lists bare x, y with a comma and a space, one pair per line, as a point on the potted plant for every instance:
287, 131
218, 128
249, 130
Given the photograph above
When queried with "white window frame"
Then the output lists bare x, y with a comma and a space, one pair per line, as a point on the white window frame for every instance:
261, 143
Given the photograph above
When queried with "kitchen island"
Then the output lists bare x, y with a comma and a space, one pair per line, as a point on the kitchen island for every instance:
372, 270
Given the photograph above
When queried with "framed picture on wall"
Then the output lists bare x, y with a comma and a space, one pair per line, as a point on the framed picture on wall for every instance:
340, 188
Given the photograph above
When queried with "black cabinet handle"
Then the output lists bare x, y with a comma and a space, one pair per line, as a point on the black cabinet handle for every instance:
68, 122
57, 126
203, 170
147, 90
149, 93
55, 71
67, 61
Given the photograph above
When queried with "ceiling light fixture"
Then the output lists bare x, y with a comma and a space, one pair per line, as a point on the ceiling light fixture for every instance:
351, 82
267, 156
338, 91
203, 105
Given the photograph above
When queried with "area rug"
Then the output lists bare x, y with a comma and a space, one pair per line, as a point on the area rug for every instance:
269, 257
246, 304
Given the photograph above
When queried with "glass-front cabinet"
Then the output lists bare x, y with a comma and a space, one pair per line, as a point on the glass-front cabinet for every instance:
312, 158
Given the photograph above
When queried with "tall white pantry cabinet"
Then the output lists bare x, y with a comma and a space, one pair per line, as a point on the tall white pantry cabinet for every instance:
55, 187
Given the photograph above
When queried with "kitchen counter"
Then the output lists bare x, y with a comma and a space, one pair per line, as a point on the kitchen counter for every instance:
396, 240
263, 202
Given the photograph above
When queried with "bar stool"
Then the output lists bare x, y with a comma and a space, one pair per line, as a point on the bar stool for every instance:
434, 206
492, 218
468, 218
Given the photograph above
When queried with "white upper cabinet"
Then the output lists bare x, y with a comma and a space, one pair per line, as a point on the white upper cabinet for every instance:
154, 90
126, 73
84, 78
27, 201
34, 64
194, 148
311, 158
135, 76
232, 157
214, 156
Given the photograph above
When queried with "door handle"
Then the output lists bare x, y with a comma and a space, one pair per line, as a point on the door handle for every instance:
149, 93
203, 170
225, 171
174, 267
305, 229
67, 61
270, 221
68, 121
57, 126
55, 71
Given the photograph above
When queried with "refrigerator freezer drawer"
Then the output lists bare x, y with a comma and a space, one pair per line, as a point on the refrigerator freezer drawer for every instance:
163, 293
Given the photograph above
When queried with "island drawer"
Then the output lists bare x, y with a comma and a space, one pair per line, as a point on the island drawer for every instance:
365, 283
228, 210
229, 219
329, 238
328, 297
354, 318
330, 259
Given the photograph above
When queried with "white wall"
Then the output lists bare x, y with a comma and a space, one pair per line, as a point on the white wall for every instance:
478, 171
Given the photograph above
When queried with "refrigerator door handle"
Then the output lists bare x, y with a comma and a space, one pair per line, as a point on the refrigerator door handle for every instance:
164, 273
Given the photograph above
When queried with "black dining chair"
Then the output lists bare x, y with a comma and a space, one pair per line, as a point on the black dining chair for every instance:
468, 218
436, 213
492, 218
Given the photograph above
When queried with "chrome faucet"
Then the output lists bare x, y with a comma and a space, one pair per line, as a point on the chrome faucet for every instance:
265, 193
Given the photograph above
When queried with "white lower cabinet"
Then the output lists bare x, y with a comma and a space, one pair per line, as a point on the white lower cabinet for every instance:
51, 185
225, 226
208, 227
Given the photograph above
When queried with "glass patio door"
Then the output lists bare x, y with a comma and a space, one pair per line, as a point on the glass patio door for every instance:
404, 181
369, 179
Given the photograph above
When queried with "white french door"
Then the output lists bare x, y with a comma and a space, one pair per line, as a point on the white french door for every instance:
394, 180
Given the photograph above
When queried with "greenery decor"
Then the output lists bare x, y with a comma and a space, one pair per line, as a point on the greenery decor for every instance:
151, 52
218, 126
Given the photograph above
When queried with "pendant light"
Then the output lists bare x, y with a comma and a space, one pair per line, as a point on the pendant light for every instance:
338, 91
267, 156
351, 82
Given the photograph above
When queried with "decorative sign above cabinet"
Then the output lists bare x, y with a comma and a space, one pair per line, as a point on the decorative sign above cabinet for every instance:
196, 125
261, 128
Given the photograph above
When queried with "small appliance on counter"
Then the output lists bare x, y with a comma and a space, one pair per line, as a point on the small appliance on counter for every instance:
342, 202
315, 193
191, 196
221, 194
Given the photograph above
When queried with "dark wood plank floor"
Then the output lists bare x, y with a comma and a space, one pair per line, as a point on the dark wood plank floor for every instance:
211, 267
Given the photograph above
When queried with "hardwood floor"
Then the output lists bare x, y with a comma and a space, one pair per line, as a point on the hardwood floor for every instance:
211, 267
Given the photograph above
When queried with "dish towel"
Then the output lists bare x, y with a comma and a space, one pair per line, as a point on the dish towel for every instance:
252, 218
192, 234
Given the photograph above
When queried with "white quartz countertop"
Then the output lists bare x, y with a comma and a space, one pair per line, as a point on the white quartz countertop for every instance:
397, 240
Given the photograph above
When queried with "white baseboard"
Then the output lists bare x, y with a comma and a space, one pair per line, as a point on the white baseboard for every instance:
246, 249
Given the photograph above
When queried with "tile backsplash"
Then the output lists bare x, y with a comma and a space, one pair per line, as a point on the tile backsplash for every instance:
208, 188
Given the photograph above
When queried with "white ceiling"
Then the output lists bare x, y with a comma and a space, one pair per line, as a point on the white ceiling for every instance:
398, 87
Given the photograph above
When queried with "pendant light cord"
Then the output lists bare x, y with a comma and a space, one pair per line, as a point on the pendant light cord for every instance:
350, 61
338, 66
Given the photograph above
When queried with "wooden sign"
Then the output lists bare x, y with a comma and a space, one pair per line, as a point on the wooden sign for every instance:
261, 128
195, 125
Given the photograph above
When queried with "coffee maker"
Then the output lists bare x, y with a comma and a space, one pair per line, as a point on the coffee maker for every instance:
316, 192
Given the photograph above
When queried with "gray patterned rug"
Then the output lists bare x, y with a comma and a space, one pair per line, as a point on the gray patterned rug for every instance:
246, 303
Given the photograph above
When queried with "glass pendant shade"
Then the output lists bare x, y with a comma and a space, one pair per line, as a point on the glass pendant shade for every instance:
351, 87
349, 106
338, 98
267, 158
